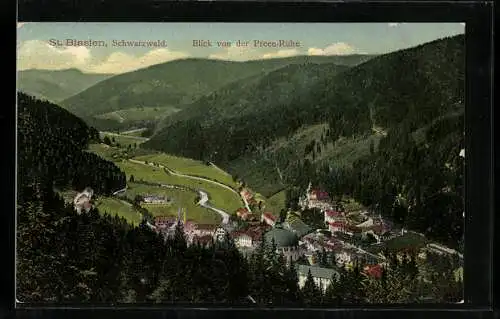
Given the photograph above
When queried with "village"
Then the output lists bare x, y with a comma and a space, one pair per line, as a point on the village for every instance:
347, 236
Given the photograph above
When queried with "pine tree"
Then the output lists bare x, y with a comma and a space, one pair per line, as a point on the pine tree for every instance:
310, 292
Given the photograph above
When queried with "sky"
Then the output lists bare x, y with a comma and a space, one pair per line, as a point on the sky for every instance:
44, 45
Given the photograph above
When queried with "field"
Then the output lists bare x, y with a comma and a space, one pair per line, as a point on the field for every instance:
116, 206
408, 240
179, 198
190, 167
139, 114
218, 196
276, 203
124, 140
112, 153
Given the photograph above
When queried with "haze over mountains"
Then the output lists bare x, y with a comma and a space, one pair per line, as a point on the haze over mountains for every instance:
56, 85
258, 119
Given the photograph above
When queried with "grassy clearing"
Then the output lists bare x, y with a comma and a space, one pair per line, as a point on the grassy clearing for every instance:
408, 240
139, 114
124, 140
276, 203
179, 199
137, 132
190, 167
219, 197
114, 206
113, 153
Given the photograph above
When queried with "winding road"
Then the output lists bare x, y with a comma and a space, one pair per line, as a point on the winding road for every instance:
204, 200
197, 178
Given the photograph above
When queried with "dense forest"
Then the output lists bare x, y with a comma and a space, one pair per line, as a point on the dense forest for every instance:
96, 258
63, 256
398, 118
51, 144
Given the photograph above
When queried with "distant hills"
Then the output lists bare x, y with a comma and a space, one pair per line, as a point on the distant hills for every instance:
261, 127
168, 87
56, 85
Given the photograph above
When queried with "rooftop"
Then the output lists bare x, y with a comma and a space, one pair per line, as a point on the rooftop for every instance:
317, 272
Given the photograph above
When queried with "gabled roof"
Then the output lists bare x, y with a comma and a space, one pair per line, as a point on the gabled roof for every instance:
373, 270
333, 213
269, 216
317, 272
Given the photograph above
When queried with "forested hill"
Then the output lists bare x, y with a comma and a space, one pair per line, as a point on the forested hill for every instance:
253, 97
178, 82
414, 86
56, 85
51, 144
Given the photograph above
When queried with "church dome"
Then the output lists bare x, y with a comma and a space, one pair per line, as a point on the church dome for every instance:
282, 238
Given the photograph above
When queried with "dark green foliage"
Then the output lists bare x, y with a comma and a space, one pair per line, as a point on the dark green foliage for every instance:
51, 143
56, 85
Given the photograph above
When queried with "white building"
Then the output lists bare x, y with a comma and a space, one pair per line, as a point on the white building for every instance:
82, 200
322, 276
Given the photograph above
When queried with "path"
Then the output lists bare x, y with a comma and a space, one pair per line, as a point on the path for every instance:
139, 138
204, 203
133, 131
197, 178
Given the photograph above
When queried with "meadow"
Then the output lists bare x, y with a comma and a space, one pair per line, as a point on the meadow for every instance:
114, 206
178, 199
219, 197
190, 167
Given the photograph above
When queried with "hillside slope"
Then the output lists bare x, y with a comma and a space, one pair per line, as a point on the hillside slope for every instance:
263, 129
51, 143
56, 85
178, 82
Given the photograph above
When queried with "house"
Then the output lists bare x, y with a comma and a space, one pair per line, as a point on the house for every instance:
249, 237
201, 230
373, 271
246, 194
333, 215
244, 214
319, 195
151, 199
337, 227
164, 221
322, 276
82, 200
268, 218
220, 233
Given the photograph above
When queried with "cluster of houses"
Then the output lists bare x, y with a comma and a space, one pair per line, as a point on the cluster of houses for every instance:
83, 201
295, 239
155, 199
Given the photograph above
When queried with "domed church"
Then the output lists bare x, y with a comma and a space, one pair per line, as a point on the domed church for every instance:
286, 242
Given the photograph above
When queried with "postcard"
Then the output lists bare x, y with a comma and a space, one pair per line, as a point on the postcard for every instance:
284, 164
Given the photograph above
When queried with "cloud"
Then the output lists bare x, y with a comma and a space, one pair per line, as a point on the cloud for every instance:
20, 24
234, 53
249, 53
36, 54
281, 54
339, 48
119, 62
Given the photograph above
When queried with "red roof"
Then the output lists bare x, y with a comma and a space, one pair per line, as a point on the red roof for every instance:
269, 216
337, 224
320, 194
374, 271
242, 210
333, 213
